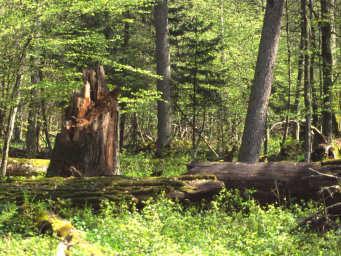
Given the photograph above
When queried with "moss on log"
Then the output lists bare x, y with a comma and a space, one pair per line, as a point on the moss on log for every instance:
277, 181
116, 188
273, 182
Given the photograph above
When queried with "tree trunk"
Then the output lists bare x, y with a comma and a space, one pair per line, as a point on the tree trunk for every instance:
275, 181
32, 134
327, 68
281, 182
163, 70
17, 132
315, 101
122, 130
46, 125
117, 188
307, 85
300, 64
261, 88
286, 127
10, 125
15, 98
88, 142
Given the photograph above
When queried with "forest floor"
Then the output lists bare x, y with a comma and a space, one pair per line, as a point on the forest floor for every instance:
229, 226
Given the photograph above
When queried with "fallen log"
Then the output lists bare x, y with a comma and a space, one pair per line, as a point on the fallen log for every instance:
68, 235
280, 182
93, 190
277, 181
273, 182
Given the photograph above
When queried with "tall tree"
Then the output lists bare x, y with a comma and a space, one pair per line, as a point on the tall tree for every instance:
13, 109
195, 72
262, 83
33, 129
307, 84
300, 64
315, 101
327, 68
163, 69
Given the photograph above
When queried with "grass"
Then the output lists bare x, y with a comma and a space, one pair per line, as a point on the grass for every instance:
37, 163
230, 226
142, 164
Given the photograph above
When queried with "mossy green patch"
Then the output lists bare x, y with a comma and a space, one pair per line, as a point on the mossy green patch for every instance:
39, 163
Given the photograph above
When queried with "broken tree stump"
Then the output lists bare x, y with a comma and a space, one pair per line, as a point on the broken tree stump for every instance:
88, 142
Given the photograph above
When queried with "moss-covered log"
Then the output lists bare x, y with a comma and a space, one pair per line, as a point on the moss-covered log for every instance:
273, 182
116, 188
278, 181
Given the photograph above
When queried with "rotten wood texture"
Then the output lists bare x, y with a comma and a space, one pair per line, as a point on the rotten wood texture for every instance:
273, 182
278, 181
92, 190
88, 142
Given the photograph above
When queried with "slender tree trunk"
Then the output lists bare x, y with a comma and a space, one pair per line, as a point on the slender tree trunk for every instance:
15, 97
17, 133
338, 52
163, 69
261, 88
32, 135
299, 75
10, 125
307, 85
327, 67
46, 125
134, 131
123, 118
312, 65
285, 132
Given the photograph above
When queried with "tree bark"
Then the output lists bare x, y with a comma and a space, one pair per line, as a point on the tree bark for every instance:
327, 69
10, 125
286, 127
17, 132
300, 64
88, 142
275, 181
43, 107
163, 69
261, 87
15, 97
116, 188
281, 182
33, 129
307, 84
315, 99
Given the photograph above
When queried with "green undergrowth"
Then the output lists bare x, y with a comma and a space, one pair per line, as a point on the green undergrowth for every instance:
229, 226
132, 165
39, 163
143, 164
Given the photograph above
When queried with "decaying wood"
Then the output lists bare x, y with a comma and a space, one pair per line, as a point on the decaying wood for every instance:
272, 182
68, 235
278, 181
92, 190
24, 169
88, 142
